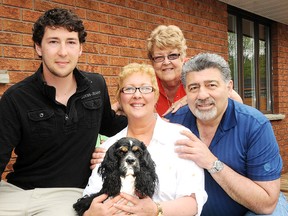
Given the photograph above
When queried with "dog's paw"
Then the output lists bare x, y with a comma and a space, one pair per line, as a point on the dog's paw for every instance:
82, 205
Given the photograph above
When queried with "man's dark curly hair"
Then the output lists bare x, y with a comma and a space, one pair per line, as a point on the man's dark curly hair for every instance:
56, 18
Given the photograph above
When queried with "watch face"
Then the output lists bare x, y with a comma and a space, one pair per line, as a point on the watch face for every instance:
218, 165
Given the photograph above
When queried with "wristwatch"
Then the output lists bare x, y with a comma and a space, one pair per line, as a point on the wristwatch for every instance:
217, 167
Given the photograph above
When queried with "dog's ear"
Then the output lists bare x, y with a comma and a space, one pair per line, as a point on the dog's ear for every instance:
146, 179
148, 162
110, 162
109, 171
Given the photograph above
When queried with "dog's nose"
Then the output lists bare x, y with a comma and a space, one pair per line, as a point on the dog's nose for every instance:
130, 160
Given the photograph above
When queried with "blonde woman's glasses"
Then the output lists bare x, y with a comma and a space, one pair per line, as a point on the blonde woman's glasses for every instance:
142, 89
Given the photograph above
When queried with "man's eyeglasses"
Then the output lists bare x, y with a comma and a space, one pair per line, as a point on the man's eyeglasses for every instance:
142, 89
172, 56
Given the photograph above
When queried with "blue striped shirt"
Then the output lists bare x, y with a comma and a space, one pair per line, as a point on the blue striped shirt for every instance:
244, 141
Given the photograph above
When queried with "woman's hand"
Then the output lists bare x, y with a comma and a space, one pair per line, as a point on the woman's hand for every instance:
177, 105
136, 206
102, 207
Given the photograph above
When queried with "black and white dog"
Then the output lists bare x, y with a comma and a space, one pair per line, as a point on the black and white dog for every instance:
127, 167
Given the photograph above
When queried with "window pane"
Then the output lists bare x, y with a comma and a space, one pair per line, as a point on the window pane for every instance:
265, 102
232, 46
249, 63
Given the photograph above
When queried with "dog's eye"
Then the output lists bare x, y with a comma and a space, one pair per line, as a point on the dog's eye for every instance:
135, 148
124, 148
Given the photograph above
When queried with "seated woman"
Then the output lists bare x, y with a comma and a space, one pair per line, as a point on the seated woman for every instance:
181, 182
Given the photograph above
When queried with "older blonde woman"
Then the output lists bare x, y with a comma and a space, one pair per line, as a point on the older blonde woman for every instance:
181, 182
166, 47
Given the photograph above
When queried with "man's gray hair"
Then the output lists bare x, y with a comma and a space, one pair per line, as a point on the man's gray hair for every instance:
204, 61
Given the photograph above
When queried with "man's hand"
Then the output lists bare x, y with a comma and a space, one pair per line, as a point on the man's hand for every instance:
97, 157
117, 108
194, 149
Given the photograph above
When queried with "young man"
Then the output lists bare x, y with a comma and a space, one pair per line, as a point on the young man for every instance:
52, 119
233, 142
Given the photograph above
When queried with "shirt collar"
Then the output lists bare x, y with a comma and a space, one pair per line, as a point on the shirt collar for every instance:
82, 82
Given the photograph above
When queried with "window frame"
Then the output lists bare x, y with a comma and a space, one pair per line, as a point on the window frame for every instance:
257, 20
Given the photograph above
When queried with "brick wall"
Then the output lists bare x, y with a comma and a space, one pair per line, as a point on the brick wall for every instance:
117, 33
280, 89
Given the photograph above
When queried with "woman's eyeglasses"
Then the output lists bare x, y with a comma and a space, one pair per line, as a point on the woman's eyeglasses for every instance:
142, 89
172, 56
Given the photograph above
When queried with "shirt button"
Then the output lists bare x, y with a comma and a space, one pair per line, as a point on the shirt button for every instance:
66, 117
41, 115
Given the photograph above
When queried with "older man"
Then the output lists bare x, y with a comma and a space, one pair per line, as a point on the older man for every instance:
234, 143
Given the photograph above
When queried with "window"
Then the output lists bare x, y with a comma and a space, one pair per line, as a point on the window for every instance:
250, 58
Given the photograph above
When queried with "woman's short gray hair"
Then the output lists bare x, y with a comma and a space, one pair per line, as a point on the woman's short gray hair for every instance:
206, 60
